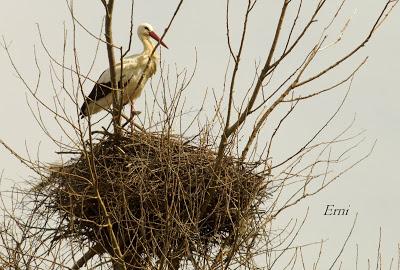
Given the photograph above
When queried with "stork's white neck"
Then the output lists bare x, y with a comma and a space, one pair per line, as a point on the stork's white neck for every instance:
148, 46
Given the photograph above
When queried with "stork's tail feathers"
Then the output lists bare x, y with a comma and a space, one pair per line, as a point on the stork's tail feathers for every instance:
82, 113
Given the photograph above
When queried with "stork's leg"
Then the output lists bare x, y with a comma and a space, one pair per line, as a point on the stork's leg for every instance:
132, 115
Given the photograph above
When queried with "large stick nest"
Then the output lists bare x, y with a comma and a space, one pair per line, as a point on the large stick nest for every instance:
156, 192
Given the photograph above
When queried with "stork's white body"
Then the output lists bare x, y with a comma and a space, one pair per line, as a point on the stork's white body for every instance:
135, 68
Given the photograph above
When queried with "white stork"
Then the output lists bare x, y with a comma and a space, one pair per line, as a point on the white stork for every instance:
133, 68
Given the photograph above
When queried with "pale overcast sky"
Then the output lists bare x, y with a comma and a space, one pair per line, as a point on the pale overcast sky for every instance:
371, 189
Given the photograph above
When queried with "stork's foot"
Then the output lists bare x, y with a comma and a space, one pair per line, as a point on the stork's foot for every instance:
133, 113
130, 119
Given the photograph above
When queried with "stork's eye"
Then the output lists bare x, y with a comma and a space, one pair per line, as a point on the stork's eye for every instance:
146, 28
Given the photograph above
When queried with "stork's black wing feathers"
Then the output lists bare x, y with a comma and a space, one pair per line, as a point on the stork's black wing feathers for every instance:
99, 91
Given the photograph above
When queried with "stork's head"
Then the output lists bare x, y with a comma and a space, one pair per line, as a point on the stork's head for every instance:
145, 30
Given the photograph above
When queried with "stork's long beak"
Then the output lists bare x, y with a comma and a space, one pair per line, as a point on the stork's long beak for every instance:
157, 38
